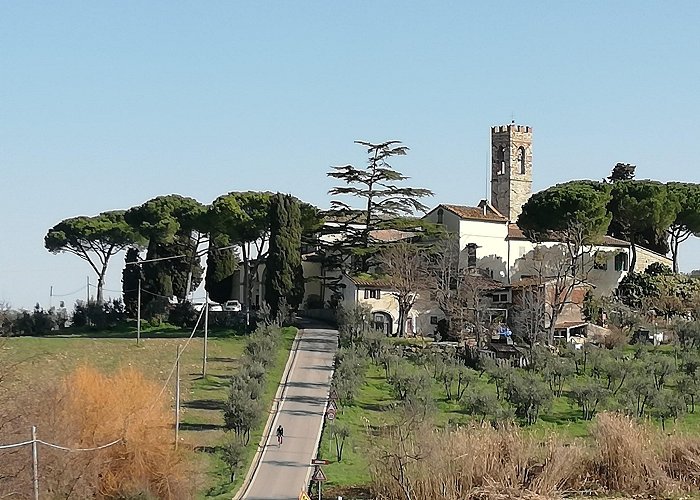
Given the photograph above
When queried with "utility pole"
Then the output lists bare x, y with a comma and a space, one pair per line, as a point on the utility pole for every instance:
138, 311
50, 296
35, 463
88, 290
177, 397
206, 335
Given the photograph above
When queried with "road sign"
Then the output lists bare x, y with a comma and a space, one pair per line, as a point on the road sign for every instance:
320, 461
330, 414
304, 496
332, 405
318, 475
333, 396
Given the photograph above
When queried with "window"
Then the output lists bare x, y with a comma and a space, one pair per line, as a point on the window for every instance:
433, 320
600, 262
621, 263
521, 159
372, 293
501, 159
471, 256
500, 297
522, 251
440, 214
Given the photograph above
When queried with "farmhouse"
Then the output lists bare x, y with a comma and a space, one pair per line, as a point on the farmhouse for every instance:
491, 245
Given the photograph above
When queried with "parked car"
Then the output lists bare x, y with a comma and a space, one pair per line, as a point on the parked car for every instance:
232, 306
213, 306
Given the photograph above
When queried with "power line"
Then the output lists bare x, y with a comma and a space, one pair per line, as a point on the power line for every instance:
153, 403
71, 293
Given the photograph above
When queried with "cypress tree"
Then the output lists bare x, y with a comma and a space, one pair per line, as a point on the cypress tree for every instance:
130, 282
221, 266
284, 278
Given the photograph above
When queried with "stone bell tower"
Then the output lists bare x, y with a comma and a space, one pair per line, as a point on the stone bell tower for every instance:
511, 168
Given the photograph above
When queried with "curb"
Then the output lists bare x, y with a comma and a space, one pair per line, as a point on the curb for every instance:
252, 470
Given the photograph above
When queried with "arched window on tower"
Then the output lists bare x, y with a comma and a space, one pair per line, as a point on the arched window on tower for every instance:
440, 215
501, 159
521, 159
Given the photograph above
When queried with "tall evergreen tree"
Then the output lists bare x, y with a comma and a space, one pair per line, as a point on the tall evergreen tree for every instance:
283, 276
221, 266
385, 204
130, 282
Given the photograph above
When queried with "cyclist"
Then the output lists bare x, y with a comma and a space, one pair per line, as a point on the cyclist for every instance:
280, 435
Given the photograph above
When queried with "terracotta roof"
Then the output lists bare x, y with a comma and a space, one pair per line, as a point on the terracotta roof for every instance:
614, 242
526, 282
570, 324
515, 233
383, 283
482, 212
390, 235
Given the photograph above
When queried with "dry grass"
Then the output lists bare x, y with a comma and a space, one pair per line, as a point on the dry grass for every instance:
89, 409
623, 458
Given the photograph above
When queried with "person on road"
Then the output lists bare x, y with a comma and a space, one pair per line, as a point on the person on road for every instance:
280, 435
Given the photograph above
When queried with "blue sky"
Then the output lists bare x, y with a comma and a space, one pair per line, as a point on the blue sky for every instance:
104, 105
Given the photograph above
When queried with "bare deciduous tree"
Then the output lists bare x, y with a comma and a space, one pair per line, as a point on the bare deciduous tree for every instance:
404, 264
458, 293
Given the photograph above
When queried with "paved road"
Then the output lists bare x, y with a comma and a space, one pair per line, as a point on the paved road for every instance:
283, 471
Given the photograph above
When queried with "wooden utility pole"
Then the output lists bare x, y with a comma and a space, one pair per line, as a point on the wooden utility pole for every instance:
177, 397
138, 312
206, 335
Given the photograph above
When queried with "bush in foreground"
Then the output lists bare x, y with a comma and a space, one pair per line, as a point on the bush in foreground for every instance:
90, 409
623, 457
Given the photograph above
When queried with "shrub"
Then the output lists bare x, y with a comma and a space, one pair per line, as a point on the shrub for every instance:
623, 458
183, 315
90, 409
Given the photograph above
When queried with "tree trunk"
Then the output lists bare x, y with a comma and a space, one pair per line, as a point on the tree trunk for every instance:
246, 283
101, 283
402, 321
634, 254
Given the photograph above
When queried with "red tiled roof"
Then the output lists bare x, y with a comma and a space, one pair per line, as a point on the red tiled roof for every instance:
570, 324
484, 212
515, 233
383, 283
390, 235
614, 242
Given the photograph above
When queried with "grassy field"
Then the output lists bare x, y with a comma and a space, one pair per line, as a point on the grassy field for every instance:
372, 410
38, 360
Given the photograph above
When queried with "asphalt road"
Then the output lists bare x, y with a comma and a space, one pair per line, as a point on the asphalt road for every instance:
284, 470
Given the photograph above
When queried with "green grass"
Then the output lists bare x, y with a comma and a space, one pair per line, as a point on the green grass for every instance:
40, 360
372, 410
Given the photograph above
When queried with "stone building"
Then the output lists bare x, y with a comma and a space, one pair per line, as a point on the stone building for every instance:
511, 168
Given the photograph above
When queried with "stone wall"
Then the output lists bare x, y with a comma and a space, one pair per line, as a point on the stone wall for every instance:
646, 257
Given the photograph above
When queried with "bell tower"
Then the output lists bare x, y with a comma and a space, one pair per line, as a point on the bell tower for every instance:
511, 168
